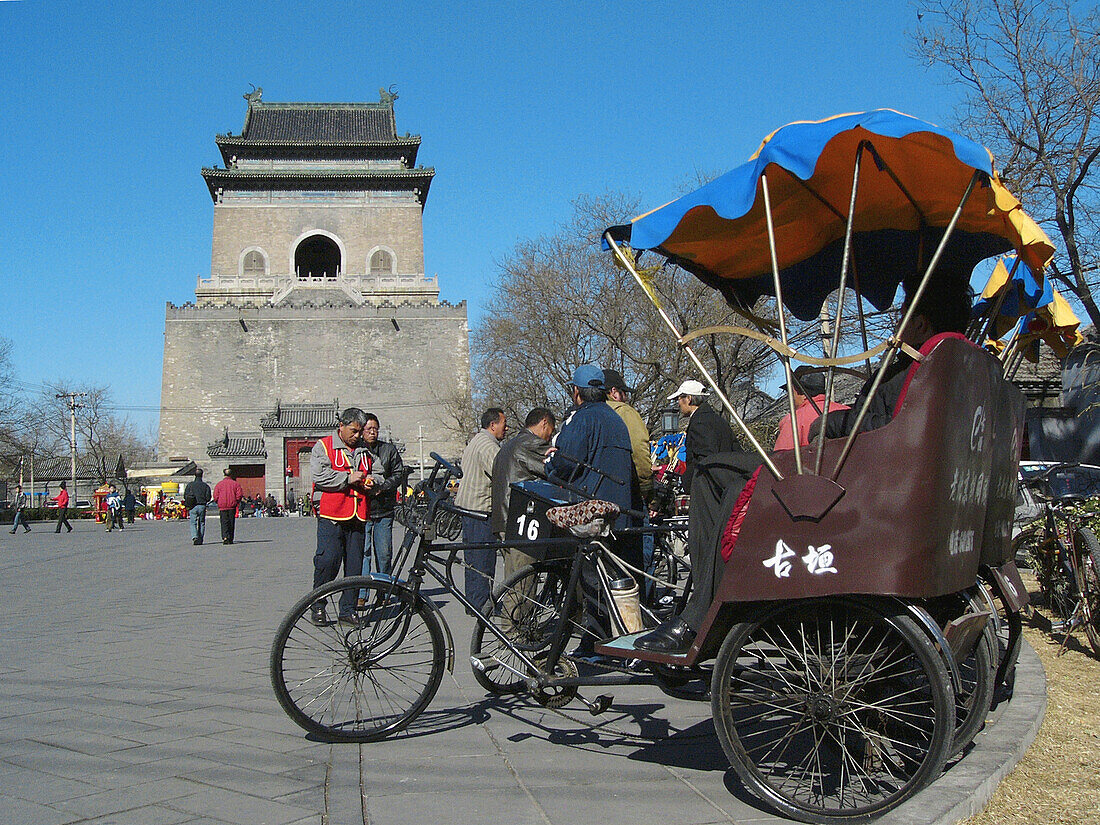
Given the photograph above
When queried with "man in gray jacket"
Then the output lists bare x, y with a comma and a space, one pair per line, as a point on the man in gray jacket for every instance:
389, 473
521, 458
475, 492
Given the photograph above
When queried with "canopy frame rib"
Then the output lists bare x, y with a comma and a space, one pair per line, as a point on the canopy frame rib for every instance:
629, 266
781, 311
834, 345
895, 340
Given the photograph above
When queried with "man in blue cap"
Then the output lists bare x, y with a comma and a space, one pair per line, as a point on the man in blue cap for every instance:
593, 452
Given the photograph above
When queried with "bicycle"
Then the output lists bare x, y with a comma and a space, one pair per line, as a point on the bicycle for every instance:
1064, 554
366, 677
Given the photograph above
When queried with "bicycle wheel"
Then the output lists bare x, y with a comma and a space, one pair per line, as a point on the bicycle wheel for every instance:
527, 608
361, 681
832, 709
1088, 582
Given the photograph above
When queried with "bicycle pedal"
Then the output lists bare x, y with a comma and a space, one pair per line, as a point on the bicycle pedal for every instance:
600, 704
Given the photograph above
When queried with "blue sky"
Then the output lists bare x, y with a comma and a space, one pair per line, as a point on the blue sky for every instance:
110, 111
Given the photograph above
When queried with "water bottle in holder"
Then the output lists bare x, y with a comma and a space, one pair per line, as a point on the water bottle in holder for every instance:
624, 592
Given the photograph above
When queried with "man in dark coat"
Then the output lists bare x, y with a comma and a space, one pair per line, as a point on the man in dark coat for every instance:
196, 496
521, 458
389, 474
717, 469
592, 452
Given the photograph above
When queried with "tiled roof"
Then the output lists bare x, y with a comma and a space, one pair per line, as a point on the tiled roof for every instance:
249, 445
58, 469
301, 417
319, 122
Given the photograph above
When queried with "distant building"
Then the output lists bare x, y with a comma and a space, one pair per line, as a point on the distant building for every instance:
317, 298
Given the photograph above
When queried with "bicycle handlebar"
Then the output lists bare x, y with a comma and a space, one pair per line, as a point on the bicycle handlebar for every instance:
462, 511
451, 468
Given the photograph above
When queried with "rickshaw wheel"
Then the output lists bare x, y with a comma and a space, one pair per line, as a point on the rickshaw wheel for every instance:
833, 710
526, 607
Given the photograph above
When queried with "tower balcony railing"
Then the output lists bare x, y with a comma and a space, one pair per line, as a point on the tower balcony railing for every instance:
277, 287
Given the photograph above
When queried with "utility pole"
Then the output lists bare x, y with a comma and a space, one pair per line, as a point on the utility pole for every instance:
73, 407
421, 438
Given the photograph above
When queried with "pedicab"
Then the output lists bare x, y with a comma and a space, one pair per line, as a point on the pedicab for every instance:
849, 634
851, 630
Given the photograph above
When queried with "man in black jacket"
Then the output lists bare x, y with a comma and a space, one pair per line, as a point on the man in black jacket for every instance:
716, 468
707, 432
196, 496
389, 474
521, 458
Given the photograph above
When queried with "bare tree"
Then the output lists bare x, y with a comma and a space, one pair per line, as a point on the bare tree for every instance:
559, 302
1031, 70
101, 435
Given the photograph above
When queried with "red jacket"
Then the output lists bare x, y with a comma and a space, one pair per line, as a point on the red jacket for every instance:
228, 493
63, 498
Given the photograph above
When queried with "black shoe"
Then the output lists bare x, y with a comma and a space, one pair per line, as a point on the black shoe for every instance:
317, 616
673, 636
196, 541
354, 621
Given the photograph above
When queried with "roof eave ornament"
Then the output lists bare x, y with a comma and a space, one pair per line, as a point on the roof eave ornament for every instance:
255, 95
388, 97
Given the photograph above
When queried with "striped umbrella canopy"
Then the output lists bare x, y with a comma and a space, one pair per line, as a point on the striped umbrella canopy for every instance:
1015, 290
912, 178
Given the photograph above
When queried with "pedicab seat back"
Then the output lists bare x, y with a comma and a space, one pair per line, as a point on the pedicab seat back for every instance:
913, 514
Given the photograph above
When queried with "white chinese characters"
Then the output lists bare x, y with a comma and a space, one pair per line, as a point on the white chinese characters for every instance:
781, 567
818, 560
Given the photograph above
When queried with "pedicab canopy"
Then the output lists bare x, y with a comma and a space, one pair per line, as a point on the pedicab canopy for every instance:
912, 178
1014, 290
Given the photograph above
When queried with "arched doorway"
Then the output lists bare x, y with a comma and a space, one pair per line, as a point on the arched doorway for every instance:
317, 257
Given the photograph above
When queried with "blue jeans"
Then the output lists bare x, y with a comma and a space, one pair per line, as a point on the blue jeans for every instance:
198, 522
19, 520
379, 542
481, 565
339, 542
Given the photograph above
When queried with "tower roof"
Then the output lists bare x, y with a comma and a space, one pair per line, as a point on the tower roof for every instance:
319, 122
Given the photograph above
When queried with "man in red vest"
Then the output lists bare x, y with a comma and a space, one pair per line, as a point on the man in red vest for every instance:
340, 465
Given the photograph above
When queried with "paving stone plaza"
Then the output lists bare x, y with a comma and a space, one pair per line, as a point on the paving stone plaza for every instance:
134, 689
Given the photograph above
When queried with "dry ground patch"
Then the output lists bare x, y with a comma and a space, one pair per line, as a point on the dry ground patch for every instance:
1058, 780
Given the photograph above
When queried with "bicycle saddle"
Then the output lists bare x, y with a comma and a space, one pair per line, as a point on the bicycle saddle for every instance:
585, 520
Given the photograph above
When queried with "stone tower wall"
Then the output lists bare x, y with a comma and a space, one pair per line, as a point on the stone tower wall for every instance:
218, 375
394, 224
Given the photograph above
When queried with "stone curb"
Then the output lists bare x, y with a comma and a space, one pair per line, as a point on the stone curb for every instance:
966, 787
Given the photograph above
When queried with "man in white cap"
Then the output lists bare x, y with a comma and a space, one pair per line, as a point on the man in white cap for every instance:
707, 432
716, 467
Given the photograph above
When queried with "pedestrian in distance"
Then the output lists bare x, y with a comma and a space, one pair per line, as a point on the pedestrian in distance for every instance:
196, 498
114, 509
129, 504
19, 504
228, 494
63, 509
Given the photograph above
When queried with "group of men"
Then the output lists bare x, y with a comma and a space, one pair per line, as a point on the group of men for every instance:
602, 449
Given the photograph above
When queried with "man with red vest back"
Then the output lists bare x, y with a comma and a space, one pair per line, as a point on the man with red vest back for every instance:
341, 466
